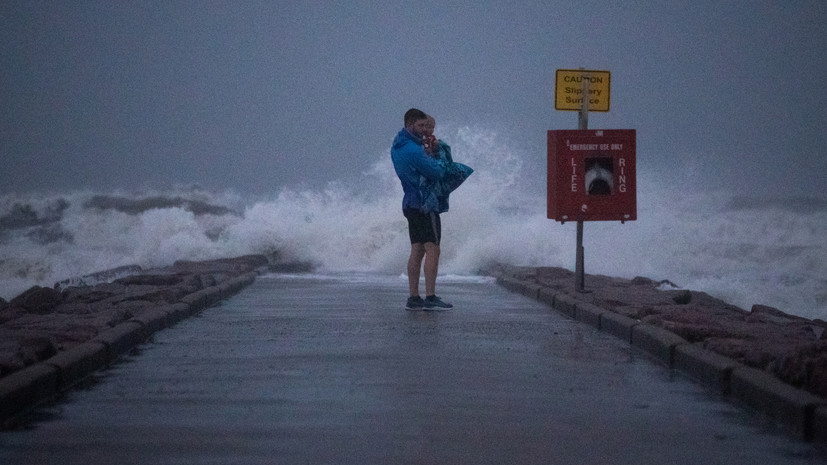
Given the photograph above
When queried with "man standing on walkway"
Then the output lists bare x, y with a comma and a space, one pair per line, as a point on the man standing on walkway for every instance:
410, 162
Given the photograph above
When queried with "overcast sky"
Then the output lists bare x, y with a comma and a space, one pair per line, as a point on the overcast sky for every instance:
256, 96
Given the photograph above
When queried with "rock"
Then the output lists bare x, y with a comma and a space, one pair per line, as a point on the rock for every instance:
635, 312
100, 276
641, 281
763, 313
35, 349
158, 294
681, 297
135, 307
37, 300
806, 367
151, 280
88, 294
206, 280
10, 363
119, 315
192, 283
48, 320
9, 313
74, 308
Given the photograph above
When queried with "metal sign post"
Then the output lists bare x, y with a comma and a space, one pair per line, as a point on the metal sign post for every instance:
591, 177
579, 266
581, 90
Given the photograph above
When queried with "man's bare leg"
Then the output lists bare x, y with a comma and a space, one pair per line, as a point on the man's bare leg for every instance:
431, 267
414, 265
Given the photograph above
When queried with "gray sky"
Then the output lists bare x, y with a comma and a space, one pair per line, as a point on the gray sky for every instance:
255, 96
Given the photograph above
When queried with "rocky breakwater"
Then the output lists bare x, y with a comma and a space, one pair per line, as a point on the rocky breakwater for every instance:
53, 337
773, 361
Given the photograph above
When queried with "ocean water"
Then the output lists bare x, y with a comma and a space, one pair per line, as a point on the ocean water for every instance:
766, 250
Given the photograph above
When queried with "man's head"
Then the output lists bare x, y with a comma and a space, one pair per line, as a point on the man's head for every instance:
416, 121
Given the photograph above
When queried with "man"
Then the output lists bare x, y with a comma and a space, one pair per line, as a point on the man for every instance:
424, 229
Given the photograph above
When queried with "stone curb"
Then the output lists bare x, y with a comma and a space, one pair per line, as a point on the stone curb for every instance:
153, 320
657, 341
121, 339
177, 312
520, 287
79, 362
23, 390
618, 325
547, 296
706, 367
202, 299
820, 425
793, 407
589, 313
803, 414
566, 304
27, 387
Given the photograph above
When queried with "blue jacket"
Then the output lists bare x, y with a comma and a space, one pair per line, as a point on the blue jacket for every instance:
411, 162
435, 193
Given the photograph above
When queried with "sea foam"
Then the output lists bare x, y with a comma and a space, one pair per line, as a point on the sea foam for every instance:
744, 250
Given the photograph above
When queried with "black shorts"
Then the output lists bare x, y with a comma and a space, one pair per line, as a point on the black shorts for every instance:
423, 227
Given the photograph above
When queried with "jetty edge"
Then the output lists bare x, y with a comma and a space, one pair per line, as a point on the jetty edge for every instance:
52, 338
770, 361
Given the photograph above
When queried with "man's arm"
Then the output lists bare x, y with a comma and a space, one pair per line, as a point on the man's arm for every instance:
429, 167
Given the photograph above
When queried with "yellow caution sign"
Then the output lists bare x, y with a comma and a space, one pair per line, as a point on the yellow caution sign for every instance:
572, 86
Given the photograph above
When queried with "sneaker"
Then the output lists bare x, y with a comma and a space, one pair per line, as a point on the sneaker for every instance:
415, 303
433, 302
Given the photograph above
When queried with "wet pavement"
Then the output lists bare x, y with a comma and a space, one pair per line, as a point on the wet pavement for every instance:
313, 369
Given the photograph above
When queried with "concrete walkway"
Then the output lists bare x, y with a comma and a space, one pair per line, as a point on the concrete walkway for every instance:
331, 370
